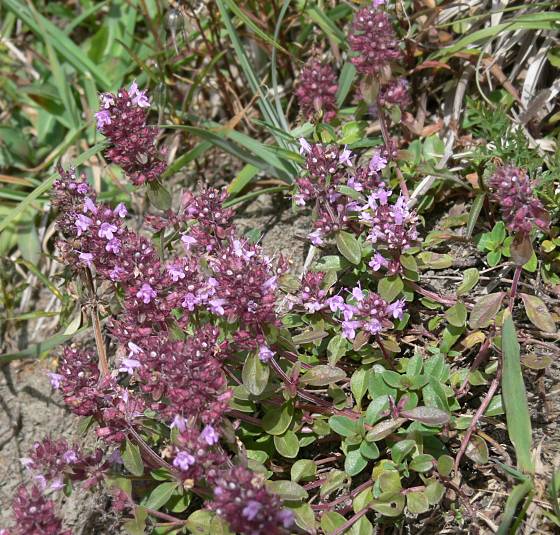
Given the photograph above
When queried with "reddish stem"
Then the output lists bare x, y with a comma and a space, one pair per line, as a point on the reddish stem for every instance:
483, 406
350, 522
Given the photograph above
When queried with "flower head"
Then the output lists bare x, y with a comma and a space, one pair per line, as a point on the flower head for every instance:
513, 192
316, 91
241, 498
373, 41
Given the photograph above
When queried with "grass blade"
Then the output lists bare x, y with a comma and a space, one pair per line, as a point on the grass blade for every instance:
515, 398
345, 82
517, 494
36, 350
60, 41
474, 213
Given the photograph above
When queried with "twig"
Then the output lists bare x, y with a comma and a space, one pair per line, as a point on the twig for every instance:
103, 362
483, 406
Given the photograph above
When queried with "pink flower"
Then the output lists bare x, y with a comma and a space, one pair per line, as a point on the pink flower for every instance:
188, 241
129, 365
103, 118
179, 422
373, 41
216, 306
106, 231
183, 460
377, 262
377, 162
113, 246
209, 435
265, 353
82, 223
146, 293
316, 91
120, 210
86, 258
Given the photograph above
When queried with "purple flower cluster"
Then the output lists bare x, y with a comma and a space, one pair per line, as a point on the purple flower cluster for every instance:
195, 456
393, 227
122, 119
168, 336
34, 514
316, 91
188, 374
366, 311
51, 462
513, 192
327, 169
373, 41
395, 93
241, 498
113, 407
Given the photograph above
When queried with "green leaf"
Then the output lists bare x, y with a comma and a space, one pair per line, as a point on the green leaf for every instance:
457, 315
28, 241
160, 495
322, 375
336, 349
305, 517
354, 463
242, 179
393, 506
485, 310
434, 492
471, 276
369, 450
422, 463
255, 374
36, 350
349, 247
251, 24
138, 524
445, 465
358, 384
401, 449
331, 521
46, 30
537, 313
287, 444
159, 196
303, 469
376, 408
533, 21
417, 502
203, 522
362, 527
276, 421
287, 490
343, 425
132, 459
390, 287
435, 260
515, 398
384, 429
